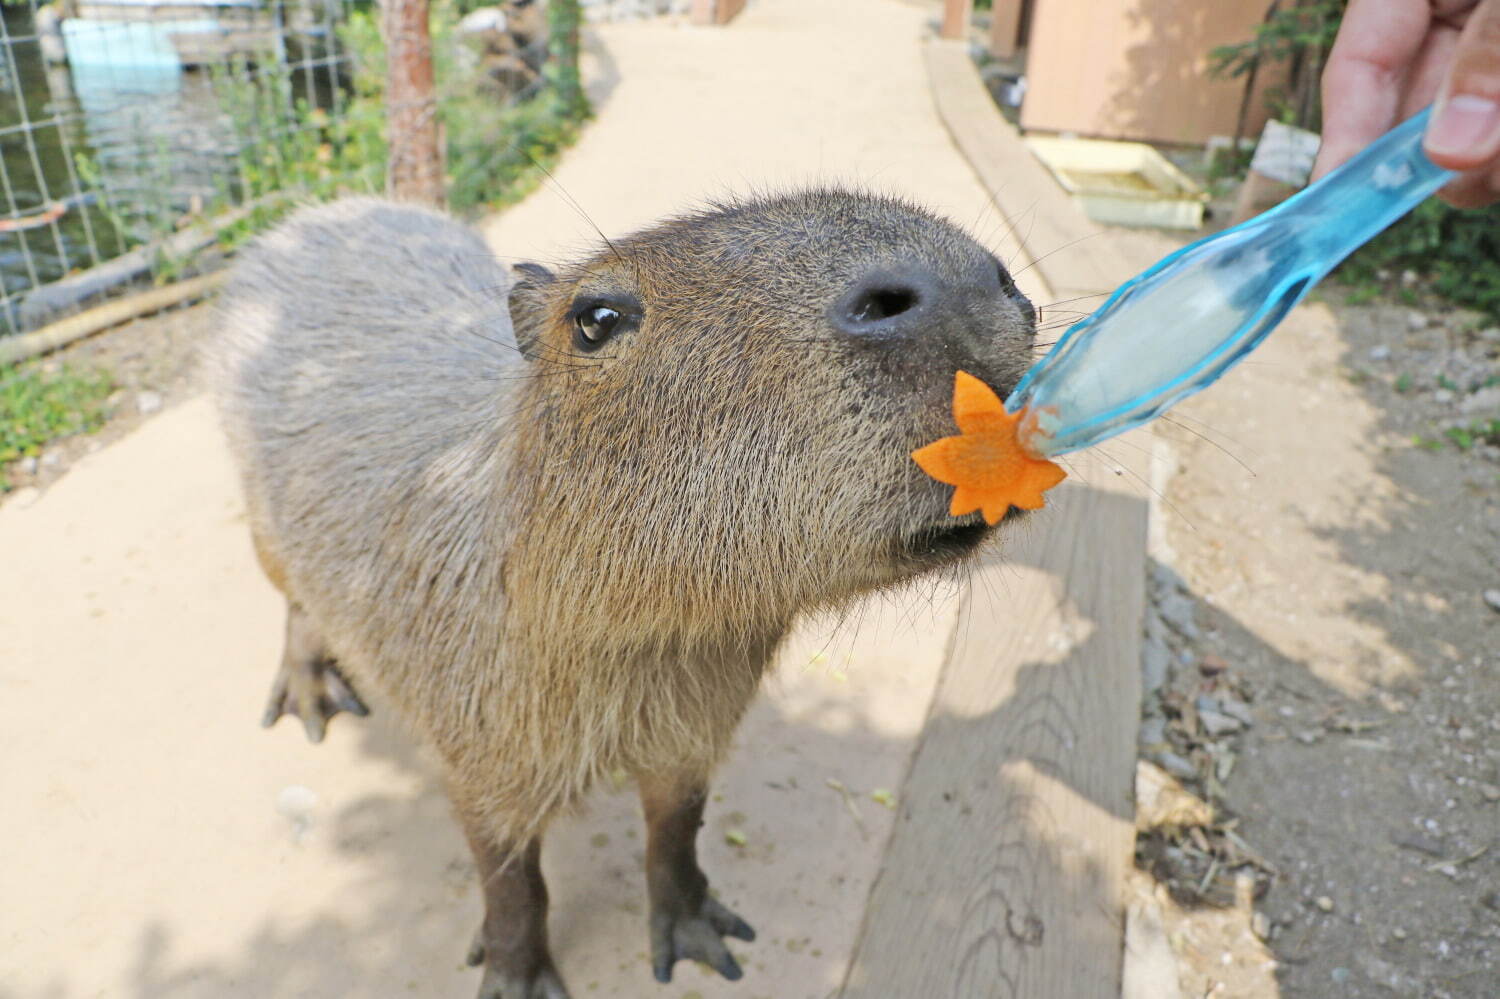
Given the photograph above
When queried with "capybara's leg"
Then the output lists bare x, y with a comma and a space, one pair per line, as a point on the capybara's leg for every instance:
687, 923
512, 940
309, 684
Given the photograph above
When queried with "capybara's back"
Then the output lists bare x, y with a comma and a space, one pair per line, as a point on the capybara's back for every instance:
363, 369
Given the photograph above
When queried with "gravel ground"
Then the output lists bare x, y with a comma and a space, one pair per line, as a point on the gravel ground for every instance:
1321, 660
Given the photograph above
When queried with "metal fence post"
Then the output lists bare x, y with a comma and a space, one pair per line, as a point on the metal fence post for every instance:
415, 162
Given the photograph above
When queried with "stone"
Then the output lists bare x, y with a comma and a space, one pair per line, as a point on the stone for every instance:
1486, 400
1178, 766
1216, 724
1324, 903
1492, 598
1238, 710
1380, 353
148, 402
1179, 611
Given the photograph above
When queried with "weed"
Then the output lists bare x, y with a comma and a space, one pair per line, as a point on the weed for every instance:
38, 407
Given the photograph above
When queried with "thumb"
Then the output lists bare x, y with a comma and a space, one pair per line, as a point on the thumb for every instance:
1465, 128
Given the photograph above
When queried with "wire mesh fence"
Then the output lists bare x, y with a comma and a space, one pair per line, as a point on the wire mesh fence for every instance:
121, 120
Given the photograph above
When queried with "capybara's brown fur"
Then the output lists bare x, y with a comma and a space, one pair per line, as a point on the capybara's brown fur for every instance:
563, 521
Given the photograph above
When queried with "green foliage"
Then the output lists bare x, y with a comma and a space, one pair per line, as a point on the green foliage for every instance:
38, 407
1292, 29
1464, 438
1298, 33
497, 151
1456, 251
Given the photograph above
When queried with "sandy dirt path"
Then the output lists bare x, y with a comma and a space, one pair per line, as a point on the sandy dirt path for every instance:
158, 844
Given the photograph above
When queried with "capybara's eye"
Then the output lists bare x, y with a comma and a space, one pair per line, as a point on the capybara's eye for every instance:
596, 323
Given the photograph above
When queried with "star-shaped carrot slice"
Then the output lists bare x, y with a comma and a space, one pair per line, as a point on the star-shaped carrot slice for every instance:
986, 463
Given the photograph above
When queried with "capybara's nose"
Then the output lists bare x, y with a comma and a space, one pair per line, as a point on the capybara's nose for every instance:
887, 304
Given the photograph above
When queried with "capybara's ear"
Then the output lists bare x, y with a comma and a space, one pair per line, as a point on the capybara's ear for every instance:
528, 302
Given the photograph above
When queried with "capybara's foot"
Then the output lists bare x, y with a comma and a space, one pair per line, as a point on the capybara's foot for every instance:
543, 982
314, 690
696, 936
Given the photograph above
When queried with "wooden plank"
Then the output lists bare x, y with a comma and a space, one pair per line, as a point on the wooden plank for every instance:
1049, 227
1004, 875
1005, 872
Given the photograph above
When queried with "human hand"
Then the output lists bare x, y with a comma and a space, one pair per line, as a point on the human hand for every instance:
1392, 58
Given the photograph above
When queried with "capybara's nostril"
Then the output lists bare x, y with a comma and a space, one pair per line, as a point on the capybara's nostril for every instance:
884, 304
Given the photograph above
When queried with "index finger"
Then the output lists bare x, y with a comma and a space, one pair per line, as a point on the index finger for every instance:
1363, 80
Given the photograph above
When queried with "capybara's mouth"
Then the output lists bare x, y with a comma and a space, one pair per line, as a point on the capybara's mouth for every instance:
946, 542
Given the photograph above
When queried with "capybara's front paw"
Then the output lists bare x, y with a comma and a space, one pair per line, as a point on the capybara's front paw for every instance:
696, 936
314, 690
541, 982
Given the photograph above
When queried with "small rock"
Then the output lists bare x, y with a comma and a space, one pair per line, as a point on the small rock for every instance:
1490, 791
1309, 736
1153, 731
1261, 926
1443, 395
1486, 400
1398, 934
1177, 609
1238, 710
1416, 321
1324, 902
28, 464
1380, 353
1492, 597
1177, 766
1155, 659
51, 459
147, 403
1216, 724
297, 802
1409, 278
1491, 900
1421, 844
1340, 976
1464, 733
1212, 665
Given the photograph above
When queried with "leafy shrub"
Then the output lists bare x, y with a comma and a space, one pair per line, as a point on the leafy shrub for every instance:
1457, 251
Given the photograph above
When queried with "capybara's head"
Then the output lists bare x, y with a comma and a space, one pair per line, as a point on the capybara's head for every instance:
722, 407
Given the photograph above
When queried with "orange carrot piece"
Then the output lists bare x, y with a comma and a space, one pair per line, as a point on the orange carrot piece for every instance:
986, 463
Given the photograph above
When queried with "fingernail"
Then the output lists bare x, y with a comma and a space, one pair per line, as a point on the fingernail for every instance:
1465, 126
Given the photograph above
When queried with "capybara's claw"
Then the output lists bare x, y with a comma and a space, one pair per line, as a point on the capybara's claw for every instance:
697, 938
545, 984
314, 691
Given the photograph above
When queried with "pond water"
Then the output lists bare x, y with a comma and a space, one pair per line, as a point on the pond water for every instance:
111, 150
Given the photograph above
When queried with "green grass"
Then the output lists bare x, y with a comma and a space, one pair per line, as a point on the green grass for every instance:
38, 407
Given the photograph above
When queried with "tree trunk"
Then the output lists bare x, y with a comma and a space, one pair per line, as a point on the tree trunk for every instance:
415, 163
